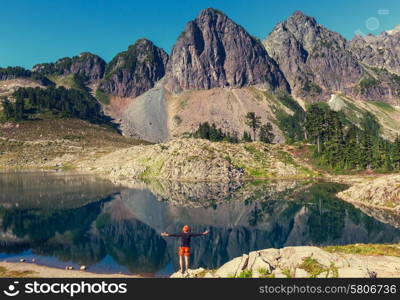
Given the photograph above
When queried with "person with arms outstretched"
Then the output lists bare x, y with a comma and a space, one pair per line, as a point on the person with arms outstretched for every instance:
184, 248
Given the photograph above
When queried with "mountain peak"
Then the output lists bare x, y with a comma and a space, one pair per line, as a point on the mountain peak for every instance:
300, 19
313, 59
136, 70
210, 12
214, 51
86, 64
381, 51
143, 41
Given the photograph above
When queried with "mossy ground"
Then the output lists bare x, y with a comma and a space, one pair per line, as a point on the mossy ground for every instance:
259, 163
314, 268
68, 81
366, 249
153, 168
103, 97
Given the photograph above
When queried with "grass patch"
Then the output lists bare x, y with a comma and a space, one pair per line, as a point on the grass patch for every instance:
259, 167
312, 266
264, 273
287, 273
259, 163
321, 105
366, 249
70, 81
245, 274
153, 169
287, 158
102, 97
383, 106
5, 273
67, 167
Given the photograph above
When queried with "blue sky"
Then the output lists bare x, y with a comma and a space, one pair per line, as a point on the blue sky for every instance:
34, 31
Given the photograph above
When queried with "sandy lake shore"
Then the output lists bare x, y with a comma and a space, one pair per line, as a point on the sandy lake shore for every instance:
22, 269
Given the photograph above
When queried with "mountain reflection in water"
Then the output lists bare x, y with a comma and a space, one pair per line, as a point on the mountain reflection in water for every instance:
76, 219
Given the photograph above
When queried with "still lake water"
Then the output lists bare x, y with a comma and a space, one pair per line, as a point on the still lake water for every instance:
67, 219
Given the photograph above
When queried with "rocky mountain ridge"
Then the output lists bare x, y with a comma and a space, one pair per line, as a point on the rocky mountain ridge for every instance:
379, 51
219, 70
134, 71
318, 62
90, 66
213, 51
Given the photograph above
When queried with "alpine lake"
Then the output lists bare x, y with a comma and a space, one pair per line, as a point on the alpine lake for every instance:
64, 219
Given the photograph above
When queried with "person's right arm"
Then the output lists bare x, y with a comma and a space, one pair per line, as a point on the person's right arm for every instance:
170, 234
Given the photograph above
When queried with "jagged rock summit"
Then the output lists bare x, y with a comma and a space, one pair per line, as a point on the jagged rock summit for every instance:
213, 51
318, 62
90, 66
135, 70
313, 59
379, 51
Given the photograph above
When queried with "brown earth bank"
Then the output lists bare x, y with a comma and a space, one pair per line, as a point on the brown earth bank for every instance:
354, 261
15, 269
56, 143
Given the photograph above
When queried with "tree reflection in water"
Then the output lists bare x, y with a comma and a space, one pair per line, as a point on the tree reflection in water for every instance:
126, 226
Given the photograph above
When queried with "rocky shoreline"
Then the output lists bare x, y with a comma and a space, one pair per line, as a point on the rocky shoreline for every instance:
196, 160
379, 193
352, 261
349, 261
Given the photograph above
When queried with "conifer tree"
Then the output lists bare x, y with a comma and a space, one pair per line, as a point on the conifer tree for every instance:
314, 125
19, 108
266, 134
8, 109
246, 137
253, 121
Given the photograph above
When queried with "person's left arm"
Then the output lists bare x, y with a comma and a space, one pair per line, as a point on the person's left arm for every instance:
199, 234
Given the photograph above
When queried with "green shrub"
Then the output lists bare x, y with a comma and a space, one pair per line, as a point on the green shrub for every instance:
245, 274
367, 82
